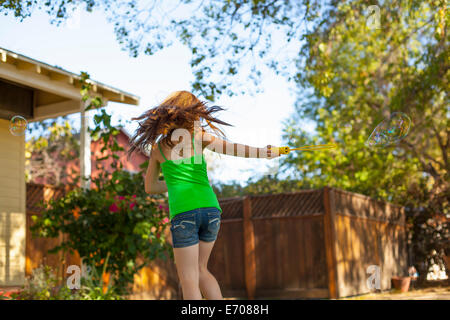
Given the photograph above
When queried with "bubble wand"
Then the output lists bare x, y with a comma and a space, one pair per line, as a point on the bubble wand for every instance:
287, 150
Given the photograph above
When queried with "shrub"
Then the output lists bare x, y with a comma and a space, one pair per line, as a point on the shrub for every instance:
43, 285
115, 219
107, 221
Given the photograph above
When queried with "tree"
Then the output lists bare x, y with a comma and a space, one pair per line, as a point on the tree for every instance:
354, 77
227, 38
47, 152
269, 184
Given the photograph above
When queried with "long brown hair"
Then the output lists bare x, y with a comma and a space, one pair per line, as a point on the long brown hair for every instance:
179, 110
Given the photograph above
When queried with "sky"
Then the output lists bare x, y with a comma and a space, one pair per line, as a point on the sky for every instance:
87, 43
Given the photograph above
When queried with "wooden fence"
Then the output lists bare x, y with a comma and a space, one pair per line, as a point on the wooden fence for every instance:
366, 232
36, 248
308, 244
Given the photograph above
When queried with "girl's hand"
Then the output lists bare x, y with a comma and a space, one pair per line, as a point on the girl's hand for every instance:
268, 153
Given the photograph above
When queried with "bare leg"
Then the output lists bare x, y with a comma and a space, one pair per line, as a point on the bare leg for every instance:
208, 283
186, 260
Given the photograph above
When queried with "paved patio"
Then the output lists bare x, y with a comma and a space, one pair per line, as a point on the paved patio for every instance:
442, 293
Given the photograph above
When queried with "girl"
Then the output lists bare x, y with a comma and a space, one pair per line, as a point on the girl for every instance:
194, 211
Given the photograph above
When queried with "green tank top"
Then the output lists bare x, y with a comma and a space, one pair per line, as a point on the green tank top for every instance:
188, 184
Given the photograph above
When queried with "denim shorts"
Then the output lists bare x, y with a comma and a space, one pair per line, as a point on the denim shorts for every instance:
189, 227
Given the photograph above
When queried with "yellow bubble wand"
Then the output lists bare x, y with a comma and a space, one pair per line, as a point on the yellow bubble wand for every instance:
286, 150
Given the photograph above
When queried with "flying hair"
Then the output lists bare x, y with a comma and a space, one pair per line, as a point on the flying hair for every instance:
181, 109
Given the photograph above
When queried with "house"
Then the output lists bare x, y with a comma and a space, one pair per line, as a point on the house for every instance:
36, 91
71, 168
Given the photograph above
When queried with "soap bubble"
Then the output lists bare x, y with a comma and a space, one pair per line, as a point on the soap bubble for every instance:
390, 131
18, 125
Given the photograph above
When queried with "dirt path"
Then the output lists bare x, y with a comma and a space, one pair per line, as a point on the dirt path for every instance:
420, 294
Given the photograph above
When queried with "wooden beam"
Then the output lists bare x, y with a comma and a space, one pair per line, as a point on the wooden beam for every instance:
38, 81
330, 241
85, 146
111, 95
54, 110
23, 65
249, 249
61, 77
39, 76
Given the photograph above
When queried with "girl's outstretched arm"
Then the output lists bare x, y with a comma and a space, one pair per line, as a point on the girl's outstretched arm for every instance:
219, 145
152, 184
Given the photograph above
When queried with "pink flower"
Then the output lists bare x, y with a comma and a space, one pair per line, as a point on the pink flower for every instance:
134, 196
113, 207
165, 208
166, 220
132, 205
121, 197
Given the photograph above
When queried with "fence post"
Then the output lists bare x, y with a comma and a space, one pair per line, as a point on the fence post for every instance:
329, 231
249, 249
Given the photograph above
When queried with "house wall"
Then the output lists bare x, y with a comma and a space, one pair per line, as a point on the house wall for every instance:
72, 168
131, 164
12, 207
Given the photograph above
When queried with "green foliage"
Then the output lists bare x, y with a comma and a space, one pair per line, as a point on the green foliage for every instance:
269, 184
249, 34
45, 153
229, 39
354, 76
430, 230
44, 285
4, 296
108, 220
358, 76
94, 288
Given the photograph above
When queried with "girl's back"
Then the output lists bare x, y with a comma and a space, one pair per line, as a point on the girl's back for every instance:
174, 131
186, 178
